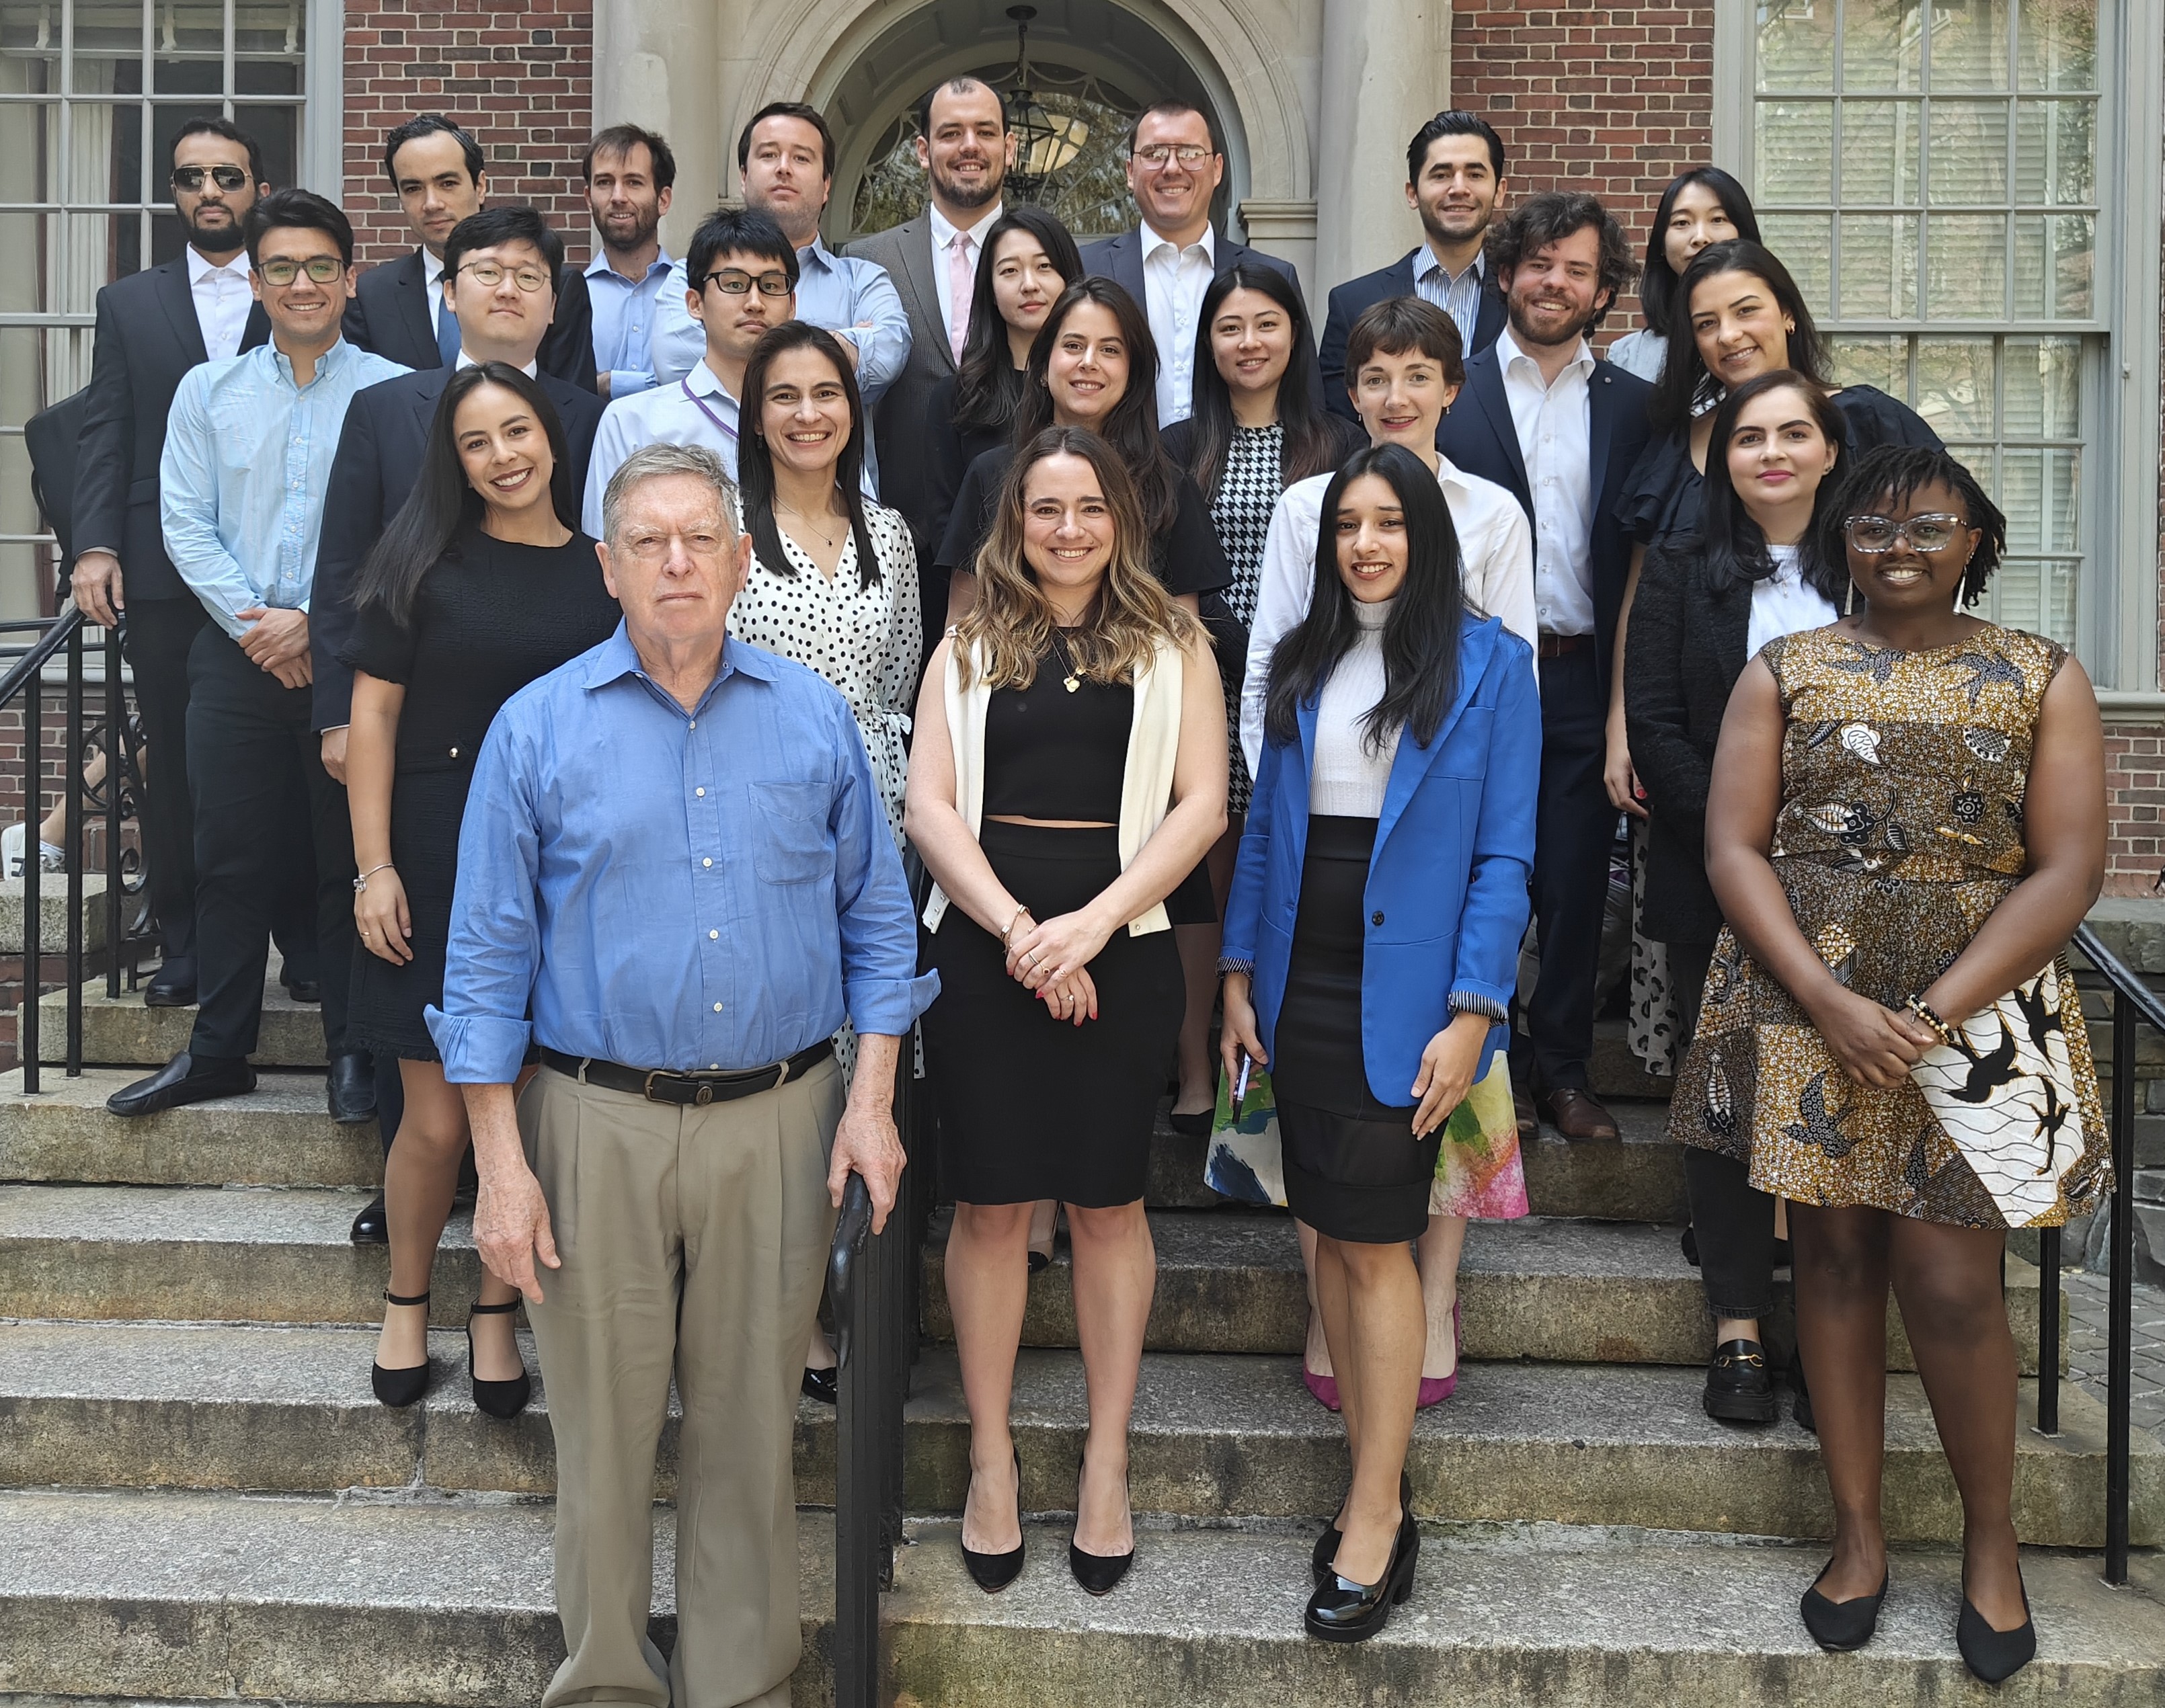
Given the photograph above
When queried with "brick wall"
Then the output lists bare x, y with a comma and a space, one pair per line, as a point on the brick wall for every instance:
519, 76
2134, 794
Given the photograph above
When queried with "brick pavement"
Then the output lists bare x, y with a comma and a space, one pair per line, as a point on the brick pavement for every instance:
2087, 1345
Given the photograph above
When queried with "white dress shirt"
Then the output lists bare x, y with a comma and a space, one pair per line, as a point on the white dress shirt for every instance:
432, 287
1174, 281
1784, 603
943, 235
1496, 569
222, 298
1555, 443
532, 370
1348, 779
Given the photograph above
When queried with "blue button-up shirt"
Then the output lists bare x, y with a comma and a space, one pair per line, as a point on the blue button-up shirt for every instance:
624, 321
665, 889
1459, 297
247, 464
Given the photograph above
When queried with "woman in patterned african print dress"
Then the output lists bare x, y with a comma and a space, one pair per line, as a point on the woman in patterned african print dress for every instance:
1905, 826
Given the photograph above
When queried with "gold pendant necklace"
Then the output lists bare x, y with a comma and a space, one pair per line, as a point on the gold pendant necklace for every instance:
1069, 680
808, 522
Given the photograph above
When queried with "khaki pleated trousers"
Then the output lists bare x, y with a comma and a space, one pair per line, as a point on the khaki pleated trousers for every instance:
694, 1244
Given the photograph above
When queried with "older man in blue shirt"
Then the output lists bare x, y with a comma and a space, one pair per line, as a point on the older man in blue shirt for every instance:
675, 861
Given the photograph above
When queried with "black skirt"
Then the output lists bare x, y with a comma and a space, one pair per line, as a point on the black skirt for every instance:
384, 1015
1353, 1169
1031, 1107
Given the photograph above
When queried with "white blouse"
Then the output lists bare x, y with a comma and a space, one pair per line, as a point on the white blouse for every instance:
1783, 603
1349, 779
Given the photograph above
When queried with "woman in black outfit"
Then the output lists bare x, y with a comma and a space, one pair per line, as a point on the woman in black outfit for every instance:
1707, 602
478, 587
1089, 774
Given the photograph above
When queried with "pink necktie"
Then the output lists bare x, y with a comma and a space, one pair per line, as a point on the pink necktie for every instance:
961, 281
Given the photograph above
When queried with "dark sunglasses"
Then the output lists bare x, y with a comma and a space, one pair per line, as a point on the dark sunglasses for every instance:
190, 178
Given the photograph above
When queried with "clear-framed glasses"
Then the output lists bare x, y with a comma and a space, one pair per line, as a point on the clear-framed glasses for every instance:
322, 270
734, 282
227, 178
488, 275
1874, 534
1159, 155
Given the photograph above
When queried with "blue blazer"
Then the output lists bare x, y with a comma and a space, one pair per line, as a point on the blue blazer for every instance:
1447, 898
1354, 298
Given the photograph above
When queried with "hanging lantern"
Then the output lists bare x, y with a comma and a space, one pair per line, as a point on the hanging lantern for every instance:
1046, 143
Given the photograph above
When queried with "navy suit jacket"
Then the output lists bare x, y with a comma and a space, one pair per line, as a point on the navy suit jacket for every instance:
378, 466
1356, 296
1120, 259
1478, 435
389, 315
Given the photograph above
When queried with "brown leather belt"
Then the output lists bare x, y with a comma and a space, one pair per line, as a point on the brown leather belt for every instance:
691, 1090
1554, 646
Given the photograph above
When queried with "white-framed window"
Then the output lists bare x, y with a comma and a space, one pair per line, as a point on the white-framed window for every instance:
1958, 187
91, 95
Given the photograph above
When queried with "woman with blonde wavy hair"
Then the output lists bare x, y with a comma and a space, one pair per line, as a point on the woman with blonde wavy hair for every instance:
1069, 771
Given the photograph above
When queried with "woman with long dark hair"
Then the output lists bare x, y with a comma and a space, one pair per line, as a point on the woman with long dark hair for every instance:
1701, 207
1069, 770
479, 585
1708, 602
1389, 688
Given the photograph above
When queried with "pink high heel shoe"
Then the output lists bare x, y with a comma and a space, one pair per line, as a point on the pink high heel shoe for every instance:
1325, 1388
1435, 1389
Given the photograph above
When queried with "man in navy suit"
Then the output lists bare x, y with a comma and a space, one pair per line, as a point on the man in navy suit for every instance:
398, 309
1455, 181
1167, 262
1542, 417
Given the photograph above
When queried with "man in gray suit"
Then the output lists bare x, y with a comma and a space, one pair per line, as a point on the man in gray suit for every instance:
966, 149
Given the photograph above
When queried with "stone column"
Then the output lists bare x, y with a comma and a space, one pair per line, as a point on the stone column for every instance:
1386, 71
655, 64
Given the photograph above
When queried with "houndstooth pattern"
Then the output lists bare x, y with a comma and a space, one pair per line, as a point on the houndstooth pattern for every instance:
1247, 493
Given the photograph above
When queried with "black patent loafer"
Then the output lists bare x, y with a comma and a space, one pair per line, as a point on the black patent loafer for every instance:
1343, 1611
173, 985
1840, 1625
1326, 1545
1740, 1389
821, 1385
182, 1080
373, 1226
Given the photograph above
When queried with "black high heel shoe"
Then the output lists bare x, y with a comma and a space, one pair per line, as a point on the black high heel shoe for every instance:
499, 1399
994, 1572
1994, 1656
1326, 1545
1840, 1625
1343, 1611
401, 1387
1097, 1572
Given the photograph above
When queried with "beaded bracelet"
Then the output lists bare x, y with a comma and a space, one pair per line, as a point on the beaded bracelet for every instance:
1925, 1012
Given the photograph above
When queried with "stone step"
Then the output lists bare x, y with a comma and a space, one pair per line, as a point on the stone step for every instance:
281, 1134
1615, 1072
1214, 1438
53, 914
122, 1032
1572, 1292
189, 1596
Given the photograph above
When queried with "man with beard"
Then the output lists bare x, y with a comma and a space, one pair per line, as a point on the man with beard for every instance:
153, 327
1455, 181
1174, 168
966, 148
630, 176
1560, 430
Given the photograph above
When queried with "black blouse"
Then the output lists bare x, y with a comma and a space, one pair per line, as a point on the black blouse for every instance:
491, 617
1055, 752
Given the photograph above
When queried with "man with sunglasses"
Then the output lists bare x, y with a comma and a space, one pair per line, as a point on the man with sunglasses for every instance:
153, 327
247, 457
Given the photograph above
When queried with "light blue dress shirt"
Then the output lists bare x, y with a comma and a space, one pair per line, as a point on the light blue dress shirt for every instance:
714, 888
1459, 297
624, 321
246, 468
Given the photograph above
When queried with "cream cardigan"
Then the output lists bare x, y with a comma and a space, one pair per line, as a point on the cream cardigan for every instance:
1146, 785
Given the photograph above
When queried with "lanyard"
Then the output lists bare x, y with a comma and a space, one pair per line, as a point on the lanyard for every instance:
699, 404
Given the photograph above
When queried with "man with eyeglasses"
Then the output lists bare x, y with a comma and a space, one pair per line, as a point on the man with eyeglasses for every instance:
247, 458
1167, 263
153, 327
400, 310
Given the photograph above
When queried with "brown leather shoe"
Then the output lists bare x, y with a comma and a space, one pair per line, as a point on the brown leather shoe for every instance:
1530, 1124
1577, 1114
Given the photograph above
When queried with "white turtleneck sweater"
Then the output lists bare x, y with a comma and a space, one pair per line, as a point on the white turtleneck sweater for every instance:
1348, 780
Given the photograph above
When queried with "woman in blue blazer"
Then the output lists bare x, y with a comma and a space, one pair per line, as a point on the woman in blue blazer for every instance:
1371, 936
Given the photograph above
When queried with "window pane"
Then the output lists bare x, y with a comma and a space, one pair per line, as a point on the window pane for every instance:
1966, 267
278, 130
1882, 45
2044, 387
1880, 153
1969, 44
1968, 146
1884, 362
1805, 242
1954, 387
1878, 266
1796, 151
2055, 261
1796, 45
2057, 44
2055, 152
272, 30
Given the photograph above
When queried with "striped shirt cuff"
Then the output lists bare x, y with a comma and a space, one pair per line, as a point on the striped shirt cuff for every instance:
1473, 1002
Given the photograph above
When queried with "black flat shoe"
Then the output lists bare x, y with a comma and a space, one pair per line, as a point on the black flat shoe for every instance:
994, 1572
306, 990
1326, 1545
184, 1081
1343, 1611
1195, 1126
1039, 1262
1802, 1410
1993, 1656
373, 1226
1097, 1572
173, 985
401, 1388
1840, 1625
1739, 1389
350, 1088
497, 1399
821, 1385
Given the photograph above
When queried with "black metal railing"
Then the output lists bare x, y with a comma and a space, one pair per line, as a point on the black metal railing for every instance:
2133, 1004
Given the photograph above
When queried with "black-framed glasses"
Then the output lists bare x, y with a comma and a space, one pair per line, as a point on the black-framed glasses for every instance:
734, 282
488, 275
227, 178
322, 270
1874, 534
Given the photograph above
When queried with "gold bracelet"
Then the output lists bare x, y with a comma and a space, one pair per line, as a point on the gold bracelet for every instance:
1925, 1012
1007, 937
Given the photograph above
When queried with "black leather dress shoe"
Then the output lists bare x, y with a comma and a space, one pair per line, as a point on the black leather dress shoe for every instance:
373, 1226
1343, 1611
1739, 1387
351, 1083
821, 1385
184, 1081
303, 990
173, 985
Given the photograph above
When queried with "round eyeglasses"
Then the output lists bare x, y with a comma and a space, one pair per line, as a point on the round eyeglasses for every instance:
1874, 534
